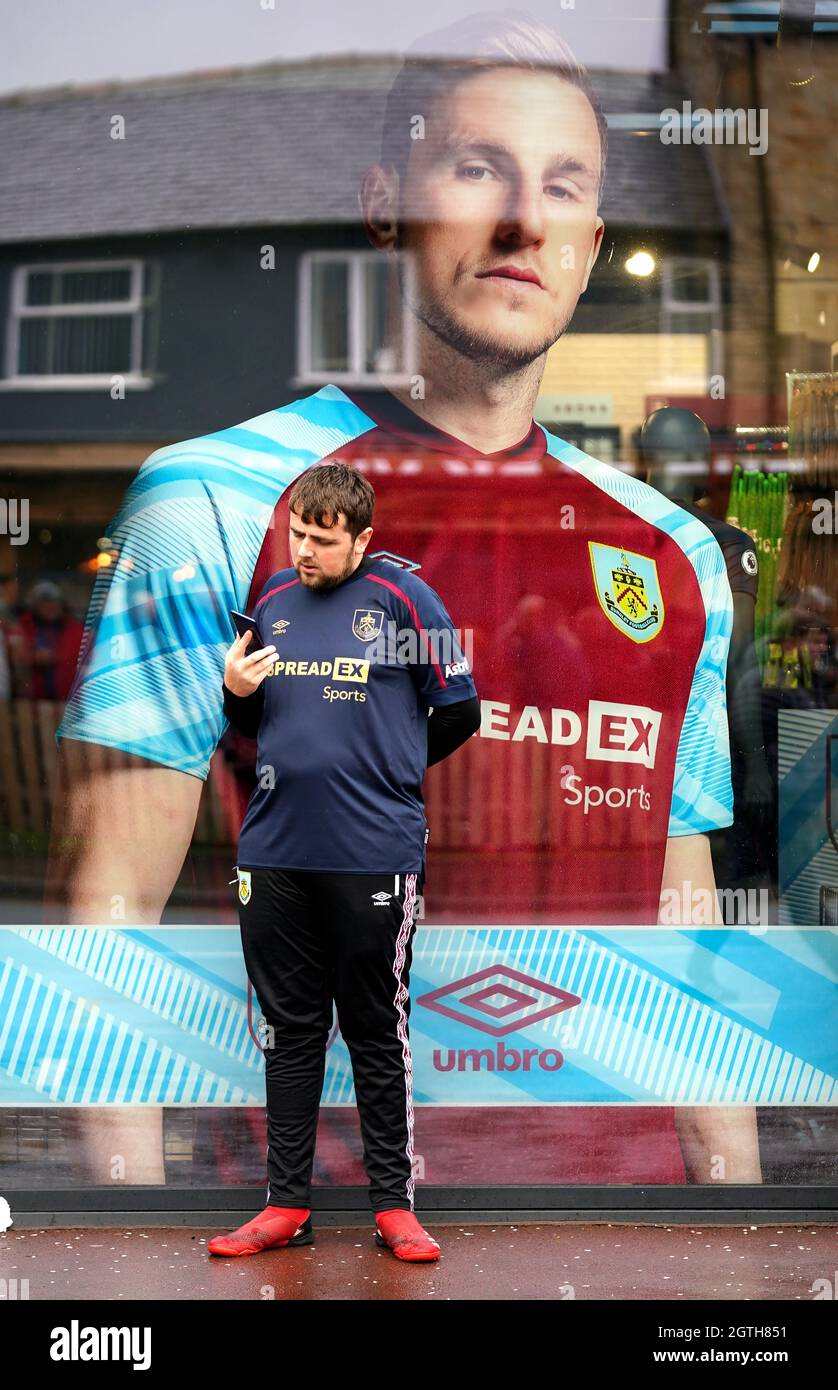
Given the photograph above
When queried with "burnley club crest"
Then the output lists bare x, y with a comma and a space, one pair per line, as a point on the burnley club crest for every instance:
628, 590
367, 624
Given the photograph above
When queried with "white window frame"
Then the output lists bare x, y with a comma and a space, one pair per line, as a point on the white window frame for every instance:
307, 375
709, 309
74, 381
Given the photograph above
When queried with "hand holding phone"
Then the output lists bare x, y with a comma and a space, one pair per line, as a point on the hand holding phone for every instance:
243, 623
244, 670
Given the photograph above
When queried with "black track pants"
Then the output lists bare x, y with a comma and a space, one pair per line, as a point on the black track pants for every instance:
309, 939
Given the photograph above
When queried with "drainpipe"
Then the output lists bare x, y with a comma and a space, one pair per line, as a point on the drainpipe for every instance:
768, 239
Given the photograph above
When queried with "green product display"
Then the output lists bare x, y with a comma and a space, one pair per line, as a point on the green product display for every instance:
757, 504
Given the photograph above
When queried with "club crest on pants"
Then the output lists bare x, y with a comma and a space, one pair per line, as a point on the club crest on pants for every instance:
245, 890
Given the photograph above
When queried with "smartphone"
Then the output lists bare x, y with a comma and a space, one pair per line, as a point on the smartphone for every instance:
245, 624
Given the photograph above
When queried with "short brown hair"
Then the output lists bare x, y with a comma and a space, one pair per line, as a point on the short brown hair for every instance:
330, 488
466, 48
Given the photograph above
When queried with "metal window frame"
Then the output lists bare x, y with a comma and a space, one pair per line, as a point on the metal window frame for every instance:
356, 260
726, 19
134, 305
720, 1203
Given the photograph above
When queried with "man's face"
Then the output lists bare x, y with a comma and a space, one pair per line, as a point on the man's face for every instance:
324, 556
504, 181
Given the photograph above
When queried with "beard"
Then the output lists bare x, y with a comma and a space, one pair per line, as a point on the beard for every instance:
324, 582
476, 344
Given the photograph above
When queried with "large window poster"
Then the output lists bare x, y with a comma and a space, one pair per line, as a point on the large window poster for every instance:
603, 1034
502, 1016
603, 530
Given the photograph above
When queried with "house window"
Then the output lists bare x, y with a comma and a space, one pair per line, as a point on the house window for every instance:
691, 302
77, 324
342, 321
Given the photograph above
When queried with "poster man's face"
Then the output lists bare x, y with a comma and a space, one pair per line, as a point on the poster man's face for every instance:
503, 186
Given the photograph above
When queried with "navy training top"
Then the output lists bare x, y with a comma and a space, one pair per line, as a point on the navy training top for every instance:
342, 744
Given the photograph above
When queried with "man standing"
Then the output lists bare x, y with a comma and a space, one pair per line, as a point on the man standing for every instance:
496, 209
331, 857
49, 647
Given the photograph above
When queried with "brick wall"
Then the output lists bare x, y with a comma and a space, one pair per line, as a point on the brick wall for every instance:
798, 86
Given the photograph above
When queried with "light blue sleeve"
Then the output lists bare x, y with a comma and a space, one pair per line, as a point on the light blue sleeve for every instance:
157, 630
702, 794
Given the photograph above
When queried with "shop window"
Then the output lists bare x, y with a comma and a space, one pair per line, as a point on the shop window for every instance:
691, 302
342, 297
77, 324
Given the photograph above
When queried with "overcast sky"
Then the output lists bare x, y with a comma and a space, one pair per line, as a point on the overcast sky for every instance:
47, 42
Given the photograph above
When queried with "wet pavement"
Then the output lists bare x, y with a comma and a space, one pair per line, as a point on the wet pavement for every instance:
480, 1261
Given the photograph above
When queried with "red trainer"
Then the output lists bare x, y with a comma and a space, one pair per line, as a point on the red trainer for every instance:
400, 1231
271, 1229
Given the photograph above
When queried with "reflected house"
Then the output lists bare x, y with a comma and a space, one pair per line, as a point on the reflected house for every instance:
181, 253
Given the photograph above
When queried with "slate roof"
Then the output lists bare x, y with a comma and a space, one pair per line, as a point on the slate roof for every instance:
281, 143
